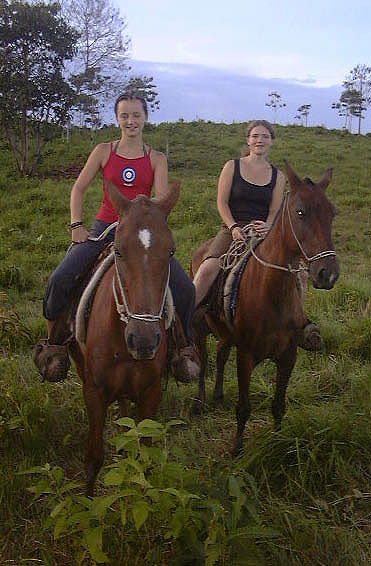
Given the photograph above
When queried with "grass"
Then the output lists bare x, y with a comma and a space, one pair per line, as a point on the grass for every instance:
312, 479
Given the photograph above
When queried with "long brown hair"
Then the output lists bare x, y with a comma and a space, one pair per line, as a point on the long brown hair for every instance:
250, 126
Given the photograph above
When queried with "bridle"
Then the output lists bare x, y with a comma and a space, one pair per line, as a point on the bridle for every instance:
123, 309
308, 259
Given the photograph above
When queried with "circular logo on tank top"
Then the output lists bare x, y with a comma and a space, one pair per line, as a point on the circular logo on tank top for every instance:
128, 175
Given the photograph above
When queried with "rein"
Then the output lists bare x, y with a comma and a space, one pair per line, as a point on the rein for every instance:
123, 310
289, 269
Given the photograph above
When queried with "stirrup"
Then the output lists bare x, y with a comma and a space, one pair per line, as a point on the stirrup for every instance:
51, 360
310, 338
186, 365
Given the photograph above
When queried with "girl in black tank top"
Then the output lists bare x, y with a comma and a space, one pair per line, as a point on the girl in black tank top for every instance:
248, 201
240, 201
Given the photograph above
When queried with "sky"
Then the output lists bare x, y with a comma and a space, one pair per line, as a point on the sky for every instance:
304, 49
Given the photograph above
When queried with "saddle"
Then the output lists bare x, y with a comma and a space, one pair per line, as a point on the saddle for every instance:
222, 297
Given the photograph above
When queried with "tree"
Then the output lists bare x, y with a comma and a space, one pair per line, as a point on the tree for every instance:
303, 113
359, 81
275, 101
34, 96
100, 69
348, 106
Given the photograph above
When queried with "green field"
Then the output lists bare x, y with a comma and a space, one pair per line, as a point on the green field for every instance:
300, 496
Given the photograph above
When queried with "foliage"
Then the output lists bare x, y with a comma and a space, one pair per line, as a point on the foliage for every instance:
34, 96
275, 101
358, 91
143, 86
12, 330
303, 113
100, 69
148, 491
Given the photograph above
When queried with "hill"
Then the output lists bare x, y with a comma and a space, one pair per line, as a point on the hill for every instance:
300, 496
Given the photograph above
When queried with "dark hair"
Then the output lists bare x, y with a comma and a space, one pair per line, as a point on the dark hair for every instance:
245, 150
132, 97
254, 123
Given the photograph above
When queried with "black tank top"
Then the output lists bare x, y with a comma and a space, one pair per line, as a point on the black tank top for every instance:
248, 201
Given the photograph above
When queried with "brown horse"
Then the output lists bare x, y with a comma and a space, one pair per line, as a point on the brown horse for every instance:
269, 313
124, 351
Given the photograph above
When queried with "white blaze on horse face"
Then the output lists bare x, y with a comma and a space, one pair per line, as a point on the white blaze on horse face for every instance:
144, 236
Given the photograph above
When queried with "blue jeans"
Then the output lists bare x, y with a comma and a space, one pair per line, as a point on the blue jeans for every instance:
65, 280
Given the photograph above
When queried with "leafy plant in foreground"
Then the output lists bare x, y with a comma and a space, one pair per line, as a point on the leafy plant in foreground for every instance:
151, 501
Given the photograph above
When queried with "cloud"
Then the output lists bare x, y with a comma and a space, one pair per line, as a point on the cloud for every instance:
197, 91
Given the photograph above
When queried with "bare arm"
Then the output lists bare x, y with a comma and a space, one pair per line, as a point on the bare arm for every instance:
159, 165
95, 161
277, 197
224, 192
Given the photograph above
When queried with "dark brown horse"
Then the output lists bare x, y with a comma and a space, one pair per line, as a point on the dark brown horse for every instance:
269, 313
123, 354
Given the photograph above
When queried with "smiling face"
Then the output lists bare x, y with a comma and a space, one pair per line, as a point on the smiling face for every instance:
259, 140
131, 117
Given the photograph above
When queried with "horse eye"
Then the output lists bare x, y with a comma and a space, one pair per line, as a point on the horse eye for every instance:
300, 212
172, 252
117, 253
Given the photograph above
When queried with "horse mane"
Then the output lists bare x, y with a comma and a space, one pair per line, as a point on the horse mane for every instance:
309, 181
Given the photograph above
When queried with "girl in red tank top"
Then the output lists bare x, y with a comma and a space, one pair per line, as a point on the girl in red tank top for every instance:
132, 176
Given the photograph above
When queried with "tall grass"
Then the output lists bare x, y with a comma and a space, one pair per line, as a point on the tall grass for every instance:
309, 483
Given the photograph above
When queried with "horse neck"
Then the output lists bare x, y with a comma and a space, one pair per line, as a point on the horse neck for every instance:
278, 249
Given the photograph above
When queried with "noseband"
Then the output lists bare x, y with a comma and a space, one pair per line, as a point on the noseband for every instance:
315, 257
123, 310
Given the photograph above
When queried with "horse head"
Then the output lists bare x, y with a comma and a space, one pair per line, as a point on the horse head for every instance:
310, 216
143, 246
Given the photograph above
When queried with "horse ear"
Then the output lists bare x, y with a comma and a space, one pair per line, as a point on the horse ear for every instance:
291, 175
119, 202
168, 201
325, 179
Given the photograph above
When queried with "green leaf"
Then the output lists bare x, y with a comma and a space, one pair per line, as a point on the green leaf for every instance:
101, 504
126, 421
93, 540
140, 514
255, 532
114, 477
58, 508
123, 514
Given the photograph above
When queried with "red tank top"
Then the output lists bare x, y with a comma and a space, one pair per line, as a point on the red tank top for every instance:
131, 176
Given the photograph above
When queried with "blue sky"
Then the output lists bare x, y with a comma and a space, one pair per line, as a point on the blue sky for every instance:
306, 44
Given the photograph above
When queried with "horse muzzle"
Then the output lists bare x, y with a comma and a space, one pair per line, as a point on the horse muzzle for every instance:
143, 339
324, 273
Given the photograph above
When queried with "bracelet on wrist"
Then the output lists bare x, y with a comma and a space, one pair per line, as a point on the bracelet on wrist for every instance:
233, 226
76, 224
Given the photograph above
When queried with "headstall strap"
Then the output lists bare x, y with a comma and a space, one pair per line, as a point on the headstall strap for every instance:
289, 269
123, 309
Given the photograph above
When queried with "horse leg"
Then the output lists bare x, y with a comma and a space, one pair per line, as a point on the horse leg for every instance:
149, 400
222, 355
123, 407
245, 366
96, 409
285, 364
